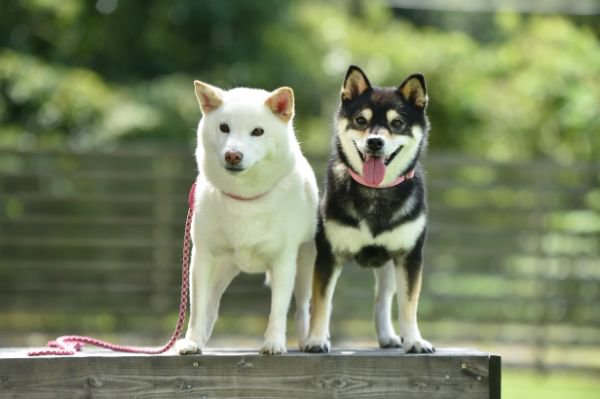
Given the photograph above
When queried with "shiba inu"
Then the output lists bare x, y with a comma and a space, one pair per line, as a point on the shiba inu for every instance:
255, 209
373, 210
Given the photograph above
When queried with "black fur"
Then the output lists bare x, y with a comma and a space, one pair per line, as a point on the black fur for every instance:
381, 210
325, 259
372, 256
414, 261
348, 202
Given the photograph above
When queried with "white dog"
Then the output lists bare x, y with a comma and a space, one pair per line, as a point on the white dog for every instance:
255, 210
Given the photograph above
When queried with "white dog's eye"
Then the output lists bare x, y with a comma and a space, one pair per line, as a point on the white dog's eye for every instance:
257, 132
224, 127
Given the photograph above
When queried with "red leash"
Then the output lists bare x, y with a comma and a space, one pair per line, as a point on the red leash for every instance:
69, 344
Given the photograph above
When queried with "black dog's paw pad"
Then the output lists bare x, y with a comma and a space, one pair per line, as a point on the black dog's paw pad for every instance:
418, 346
316, 349
317, 345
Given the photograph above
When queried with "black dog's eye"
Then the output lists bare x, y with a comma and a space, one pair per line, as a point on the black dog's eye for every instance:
224, 128
361, 121
257, 132
397, 123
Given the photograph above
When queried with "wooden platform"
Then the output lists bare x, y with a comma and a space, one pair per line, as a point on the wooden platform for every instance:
362, 373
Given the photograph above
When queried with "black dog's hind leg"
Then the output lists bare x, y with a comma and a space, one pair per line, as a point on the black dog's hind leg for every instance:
327, 271
385, 288
408, 283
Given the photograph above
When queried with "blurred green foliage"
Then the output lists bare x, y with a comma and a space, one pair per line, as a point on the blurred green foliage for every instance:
87, 74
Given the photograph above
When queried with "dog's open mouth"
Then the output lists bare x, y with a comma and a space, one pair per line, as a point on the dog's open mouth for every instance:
374, 166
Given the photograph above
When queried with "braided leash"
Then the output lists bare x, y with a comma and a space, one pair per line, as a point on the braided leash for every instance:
70, 344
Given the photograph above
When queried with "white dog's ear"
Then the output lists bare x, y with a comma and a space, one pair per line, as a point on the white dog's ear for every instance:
355, 83
281, 103
209, 97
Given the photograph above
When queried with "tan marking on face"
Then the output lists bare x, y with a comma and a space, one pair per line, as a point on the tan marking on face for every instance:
367, 113
391, 115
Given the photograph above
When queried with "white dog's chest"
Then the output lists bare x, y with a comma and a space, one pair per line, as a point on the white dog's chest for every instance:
251, 241
346, 239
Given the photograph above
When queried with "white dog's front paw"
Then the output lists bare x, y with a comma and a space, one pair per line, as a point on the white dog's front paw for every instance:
273, 347
317, 345
417, 345
390, 341
186, 346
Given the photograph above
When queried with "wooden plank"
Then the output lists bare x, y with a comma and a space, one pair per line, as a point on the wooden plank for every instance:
347, 373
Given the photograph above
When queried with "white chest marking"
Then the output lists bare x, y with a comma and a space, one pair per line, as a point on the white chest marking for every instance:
346, 239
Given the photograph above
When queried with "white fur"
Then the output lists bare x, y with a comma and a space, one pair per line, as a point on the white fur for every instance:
385, 288
351, 239
406, 154
407, 314
272, 233
349, 137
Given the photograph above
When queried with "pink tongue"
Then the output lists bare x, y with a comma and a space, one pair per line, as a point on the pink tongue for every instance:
373, 170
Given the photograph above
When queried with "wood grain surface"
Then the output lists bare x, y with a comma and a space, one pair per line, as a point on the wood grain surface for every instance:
450, 373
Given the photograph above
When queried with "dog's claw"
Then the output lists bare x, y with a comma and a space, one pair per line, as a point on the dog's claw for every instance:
418, 346
273, 347
317, 346
391, 343
317, 349
187, 347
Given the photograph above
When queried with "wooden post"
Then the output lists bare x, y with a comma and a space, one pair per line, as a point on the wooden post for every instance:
349, 373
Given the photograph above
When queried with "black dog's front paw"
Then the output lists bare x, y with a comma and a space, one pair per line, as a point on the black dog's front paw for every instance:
317, 346
418, 346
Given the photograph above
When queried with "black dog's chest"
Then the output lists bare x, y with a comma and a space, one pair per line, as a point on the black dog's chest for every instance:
379, 210
376, 214
385, 209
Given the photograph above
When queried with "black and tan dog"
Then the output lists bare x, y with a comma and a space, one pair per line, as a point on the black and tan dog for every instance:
373, 210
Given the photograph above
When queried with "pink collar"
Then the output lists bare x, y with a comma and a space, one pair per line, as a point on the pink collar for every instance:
359, 179
240, 198
192, 194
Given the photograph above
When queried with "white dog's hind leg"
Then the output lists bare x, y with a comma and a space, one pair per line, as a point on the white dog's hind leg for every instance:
306, 265
385, 288
283, 274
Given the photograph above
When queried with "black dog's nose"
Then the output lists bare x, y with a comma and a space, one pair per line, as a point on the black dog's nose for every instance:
375, 144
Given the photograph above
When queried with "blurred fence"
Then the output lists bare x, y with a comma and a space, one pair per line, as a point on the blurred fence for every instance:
90, 243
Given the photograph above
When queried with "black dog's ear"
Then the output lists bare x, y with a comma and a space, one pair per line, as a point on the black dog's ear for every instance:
355, 83
414, 90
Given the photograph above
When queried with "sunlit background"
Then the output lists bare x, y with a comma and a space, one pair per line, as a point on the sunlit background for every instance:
97, 131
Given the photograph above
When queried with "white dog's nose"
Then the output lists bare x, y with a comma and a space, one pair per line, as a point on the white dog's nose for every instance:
233, 157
